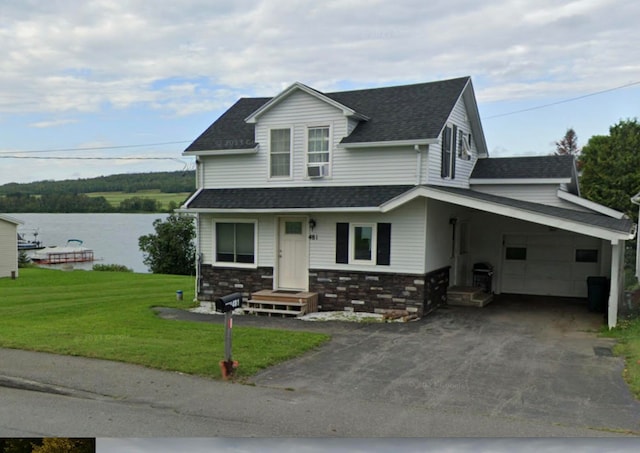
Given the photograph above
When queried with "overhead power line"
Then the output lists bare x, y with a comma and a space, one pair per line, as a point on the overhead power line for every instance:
95, 148
564, 101
11, 154
90, 158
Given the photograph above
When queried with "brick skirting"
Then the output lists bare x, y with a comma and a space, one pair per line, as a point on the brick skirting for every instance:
372, 292
219, 281
377, 292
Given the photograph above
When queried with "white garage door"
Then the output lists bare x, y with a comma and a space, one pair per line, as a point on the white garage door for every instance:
554, 264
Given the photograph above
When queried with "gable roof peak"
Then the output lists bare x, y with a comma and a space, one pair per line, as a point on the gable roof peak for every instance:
297, 86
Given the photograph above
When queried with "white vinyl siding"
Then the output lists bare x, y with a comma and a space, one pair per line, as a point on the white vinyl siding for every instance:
463, 167
545, 194
300, 111
8, 248
407, 239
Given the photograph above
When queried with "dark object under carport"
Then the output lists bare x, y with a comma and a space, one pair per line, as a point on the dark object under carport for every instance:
597, 293
483, 276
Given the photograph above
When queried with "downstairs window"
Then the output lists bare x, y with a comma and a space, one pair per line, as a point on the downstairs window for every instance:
235, 242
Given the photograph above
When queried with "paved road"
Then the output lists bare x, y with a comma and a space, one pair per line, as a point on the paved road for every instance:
458, 373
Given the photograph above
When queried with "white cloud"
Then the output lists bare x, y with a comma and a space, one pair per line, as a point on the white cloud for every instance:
68, 56
117, 66
53, 123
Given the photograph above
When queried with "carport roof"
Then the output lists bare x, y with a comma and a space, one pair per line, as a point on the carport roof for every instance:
599, 220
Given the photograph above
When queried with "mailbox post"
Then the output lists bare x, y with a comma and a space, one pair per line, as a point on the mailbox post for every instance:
226, 305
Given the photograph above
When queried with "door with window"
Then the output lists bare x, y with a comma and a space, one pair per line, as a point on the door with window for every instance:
293, 261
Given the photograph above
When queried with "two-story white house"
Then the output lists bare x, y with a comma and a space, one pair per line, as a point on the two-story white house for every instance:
384, 198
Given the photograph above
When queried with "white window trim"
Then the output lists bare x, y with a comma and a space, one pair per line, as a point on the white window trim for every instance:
374, 243
306, 146
290, 176
255, 244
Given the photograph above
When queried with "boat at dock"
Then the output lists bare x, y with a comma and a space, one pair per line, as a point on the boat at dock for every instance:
25, 244
73, 252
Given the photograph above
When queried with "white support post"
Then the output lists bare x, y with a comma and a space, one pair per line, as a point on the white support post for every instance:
617, 250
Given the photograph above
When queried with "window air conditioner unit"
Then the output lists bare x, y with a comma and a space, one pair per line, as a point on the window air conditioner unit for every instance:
317, 171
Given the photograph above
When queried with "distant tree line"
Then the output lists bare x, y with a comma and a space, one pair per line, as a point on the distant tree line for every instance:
166, 182
69, 202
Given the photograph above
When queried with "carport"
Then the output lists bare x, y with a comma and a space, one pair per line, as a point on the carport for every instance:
536, 249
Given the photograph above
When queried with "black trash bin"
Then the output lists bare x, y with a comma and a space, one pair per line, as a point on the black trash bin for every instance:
597, 293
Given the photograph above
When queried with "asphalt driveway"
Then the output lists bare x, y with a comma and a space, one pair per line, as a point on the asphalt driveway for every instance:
520, 358
504, 370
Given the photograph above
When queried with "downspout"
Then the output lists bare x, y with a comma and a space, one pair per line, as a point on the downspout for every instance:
418, 164
617, 255
199, 185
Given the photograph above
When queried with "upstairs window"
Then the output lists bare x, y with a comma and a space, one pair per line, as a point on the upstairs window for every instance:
318, 145
449, 143
280, 153
464, 145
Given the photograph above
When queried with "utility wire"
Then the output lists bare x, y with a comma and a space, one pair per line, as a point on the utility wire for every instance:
94, 148
564, 101
90, 158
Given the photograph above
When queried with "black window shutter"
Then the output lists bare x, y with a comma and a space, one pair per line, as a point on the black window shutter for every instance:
384, 244
446, 152
342, 243
454, 151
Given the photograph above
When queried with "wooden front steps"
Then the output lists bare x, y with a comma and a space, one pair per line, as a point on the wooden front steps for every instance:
281, 303
468, 296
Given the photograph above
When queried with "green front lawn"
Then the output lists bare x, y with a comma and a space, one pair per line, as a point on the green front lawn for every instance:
108, 315
628, 335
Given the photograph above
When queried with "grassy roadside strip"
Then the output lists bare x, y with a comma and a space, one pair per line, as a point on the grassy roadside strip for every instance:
107, 315
628, 335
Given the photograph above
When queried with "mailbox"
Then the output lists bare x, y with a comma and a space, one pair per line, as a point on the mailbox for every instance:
229, 302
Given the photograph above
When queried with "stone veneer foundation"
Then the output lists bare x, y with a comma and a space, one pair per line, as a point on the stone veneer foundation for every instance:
219, 281
372, 292
377, 292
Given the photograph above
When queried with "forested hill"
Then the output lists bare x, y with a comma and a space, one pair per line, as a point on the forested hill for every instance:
166, 182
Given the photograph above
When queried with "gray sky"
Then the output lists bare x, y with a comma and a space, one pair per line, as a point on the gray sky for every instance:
97, 74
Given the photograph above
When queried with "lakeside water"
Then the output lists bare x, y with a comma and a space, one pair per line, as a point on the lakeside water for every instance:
112, 237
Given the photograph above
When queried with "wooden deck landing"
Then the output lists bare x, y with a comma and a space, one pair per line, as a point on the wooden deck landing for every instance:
281, 303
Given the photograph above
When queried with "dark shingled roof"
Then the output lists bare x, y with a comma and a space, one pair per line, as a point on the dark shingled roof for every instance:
230, 130
296, 197
587, 218
407, 112
374, 196
533, 167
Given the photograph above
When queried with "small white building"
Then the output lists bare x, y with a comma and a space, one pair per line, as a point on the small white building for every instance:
8, 246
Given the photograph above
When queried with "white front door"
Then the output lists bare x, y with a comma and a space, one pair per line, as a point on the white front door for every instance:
293, 261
